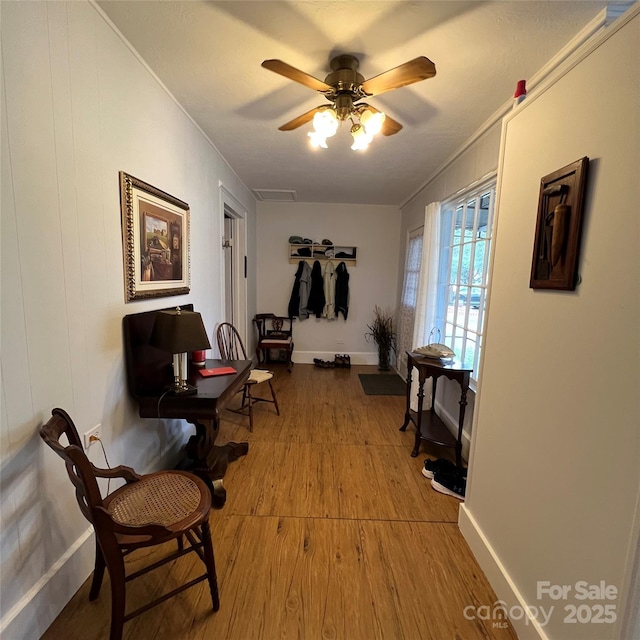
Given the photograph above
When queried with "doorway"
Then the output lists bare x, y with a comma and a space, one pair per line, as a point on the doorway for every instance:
234, 253
229, 276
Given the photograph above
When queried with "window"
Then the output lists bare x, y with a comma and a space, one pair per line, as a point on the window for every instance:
407, 314
463, 266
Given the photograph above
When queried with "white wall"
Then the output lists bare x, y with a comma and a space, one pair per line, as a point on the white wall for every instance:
78, 107
555, 470
374, 229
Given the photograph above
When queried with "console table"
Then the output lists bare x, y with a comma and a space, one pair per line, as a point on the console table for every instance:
149, 370
429, 425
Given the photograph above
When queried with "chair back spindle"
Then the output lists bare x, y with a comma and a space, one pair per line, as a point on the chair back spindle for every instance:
229, 343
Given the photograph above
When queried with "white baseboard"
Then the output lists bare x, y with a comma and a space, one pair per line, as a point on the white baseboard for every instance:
32, 615
498, 576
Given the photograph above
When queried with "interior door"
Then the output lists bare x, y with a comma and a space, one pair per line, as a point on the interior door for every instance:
233, 264
229, 276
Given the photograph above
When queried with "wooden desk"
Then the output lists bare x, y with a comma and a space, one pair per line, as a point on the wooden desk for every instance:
429, 425
149, 370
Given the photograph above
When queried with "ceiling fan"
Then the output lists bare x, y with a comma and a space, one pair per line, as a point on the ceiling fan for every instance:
344, 88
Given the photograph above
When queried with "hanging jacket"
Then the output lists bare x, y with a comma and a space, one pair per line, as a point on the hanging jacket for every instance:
342, 290
329, 283
305, 286
316, 293
294, 301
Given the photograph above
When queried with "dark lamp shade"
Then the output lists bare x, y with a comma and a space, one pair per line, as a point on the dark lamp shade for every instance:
179, 331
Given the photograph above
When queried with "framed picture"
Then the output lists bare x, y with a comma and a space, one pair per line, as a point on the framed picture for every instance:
155, 240
556, 245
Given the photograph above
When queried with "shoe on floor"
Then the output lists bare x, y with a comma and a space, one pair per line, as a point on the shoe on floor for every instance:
451, 484
432, 466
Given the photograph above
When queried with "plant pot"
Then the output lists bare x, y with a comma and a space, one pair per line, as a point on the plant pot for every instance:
383, 359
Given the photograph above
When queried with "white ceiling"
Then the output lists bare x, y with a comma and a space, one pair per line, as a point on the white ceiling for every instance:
208, 54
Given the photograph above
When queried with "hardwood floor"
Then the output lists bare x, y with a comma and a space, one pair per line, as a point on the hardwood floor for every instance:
329, 532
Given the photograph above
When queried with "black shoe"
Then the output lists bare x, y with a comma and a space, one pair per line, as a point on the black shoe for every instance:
451, 484
346, 361
431, 467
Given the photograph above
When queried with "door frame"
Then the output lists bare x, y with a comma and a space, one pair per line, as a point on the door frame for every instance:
232, 208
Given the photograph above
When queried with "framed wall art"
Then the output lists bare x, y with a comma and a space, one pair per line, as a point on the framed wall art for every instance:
558, 227
155, 239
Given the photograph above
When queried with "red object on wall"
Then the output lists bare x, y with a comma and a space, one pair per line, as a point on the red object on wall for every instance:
521, 91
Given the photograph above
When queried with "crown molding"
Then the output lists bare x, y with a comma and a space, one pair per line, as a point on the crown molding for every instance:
585, 40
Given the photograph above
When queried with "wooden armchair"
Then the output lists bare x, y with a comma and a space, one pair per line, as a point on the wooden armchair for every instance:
274, 332
148, 510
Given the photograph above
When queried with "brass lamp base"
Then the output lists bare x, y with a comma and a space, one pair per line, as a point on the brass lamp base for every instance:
182, 388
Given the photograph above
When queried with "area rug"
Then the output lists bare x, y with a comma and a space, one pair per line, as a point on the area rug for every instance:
382, 384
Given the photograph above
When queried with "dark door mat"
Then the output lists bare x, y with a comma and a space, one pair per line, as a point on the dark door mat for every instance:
382, 384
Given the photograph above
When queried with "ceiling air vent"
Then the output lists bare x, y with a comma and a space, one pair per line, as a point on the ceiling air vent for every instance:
276, 195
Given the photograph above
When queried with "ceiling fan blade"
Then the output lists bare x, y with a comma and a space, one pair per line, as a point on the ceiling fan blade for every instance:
389, 126
300, 120
413, 71
286, 70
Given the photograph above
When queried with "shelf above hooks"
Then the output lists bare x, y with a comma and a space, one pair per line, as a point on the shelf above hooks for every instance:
323, 253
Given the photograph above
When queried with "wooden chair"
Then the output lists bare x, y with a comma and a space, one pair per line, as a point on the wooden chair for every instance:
274, 332
231, 348
148, 510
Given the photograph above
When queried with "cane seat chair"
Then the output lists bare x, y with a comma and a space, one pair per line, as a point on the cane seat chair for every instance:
231, 348
274, 333
148, 510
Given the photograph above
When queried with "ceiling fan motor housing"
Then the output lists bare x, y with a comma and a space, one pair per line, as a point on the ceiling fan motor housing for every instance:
345, 78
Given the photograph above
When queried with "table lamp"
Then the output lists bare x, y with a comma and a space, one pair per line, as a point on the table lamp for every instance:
179, 332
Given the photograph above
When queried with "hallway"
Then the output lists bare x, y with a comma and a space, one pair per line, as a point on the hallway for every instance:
329, 531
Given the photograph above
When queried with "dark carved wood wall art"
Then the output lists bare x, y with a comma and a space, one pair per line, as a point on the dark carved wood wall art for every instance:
558, 227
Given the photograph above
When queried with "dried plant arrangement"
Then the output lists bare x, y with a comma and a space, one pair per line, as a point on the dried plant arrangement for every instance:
382, 333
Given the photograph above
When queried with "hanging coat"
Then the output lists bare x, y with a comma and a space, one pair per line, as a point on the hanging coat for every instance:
329, 278
305, 286
342, 290
316, 293
294, 301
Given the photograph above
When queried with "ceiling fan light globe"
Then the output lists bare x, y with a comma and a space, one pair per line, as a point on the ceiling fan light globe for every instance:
317, 140
372, 122
360, 145
361, 139
325, 123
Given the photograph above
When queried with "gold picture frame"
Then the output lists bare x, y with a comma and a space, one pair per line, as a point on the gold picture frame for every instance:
155, 241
